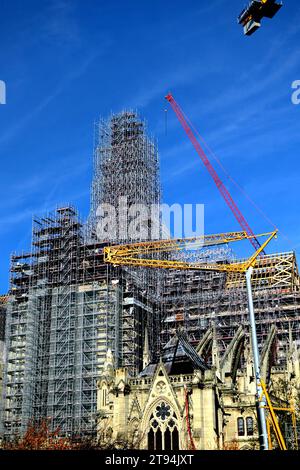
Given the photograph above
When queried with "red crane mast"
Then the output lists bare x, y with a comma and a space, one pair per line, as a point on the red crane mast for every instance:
220, 185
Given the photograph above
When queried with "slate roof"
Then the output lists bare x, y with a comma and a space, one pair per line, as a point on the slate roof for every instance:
178, 357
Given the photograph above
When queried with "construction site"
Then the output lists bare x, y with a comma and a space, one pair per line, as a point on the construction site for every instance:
67, 307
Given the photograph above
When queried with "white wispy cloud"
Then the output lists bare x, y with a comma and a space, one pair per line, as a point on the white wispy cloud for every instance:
12, 131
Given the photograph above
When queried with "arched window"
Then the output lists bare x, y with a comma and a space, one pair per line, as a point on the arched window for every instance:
168, 439
163, 432
104, 391
151, 440
241, 426
158, 440
249, 426
175, 439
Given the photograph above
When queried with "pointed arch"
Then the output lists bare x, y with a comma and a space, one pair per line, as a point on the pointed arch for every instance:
162, 430
266, 354
231, 359
204, 342
135, 407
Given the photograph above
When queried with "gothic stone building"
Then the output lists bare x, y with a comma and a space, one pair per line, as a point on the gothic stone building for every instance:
186, 402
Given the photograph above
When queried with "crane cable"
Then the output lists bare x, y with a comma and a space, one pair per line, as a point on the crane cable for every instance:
166, 121
242, 190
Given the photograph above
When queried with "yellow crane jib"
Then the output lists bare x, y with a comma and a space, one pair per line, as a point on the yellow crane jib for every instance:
141, 254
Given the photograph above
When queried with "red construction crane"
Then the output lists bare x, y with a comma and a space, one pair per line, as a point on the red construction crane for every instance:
223, 190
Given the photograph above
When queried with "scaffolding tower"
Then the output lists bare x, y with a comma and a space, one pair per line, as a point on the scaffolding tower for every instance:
58, 312
66, 307
126, 185
126, 174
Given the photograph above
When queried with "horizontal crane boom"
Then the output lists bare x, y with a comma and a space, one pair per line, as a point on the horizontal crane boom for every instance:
131, 254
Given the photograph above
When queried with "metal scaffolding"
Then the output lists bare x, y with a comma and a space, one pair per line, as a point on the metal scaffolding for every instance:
66, 307
58, 328
3, 302
126, 170
126, 179
193, 300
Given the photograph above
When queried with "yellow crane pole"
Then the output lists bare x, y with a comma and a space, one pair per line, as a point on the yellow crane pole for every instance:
273, 418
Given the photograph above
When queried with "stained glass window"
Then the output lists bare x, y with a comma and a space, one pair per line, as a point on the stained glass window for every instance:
163, 432
163, 411
249, 426
241, 426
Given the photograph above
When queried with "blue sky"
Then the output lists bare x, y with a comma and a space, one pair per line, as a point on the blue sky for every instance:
65, 63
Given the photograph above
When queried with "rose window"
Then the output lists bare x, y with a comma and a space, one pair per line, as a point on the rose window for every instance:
163, 411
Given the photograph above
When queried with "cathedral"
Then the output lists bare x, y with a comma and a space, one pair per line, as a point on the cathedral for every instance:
90, 346
192, 399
